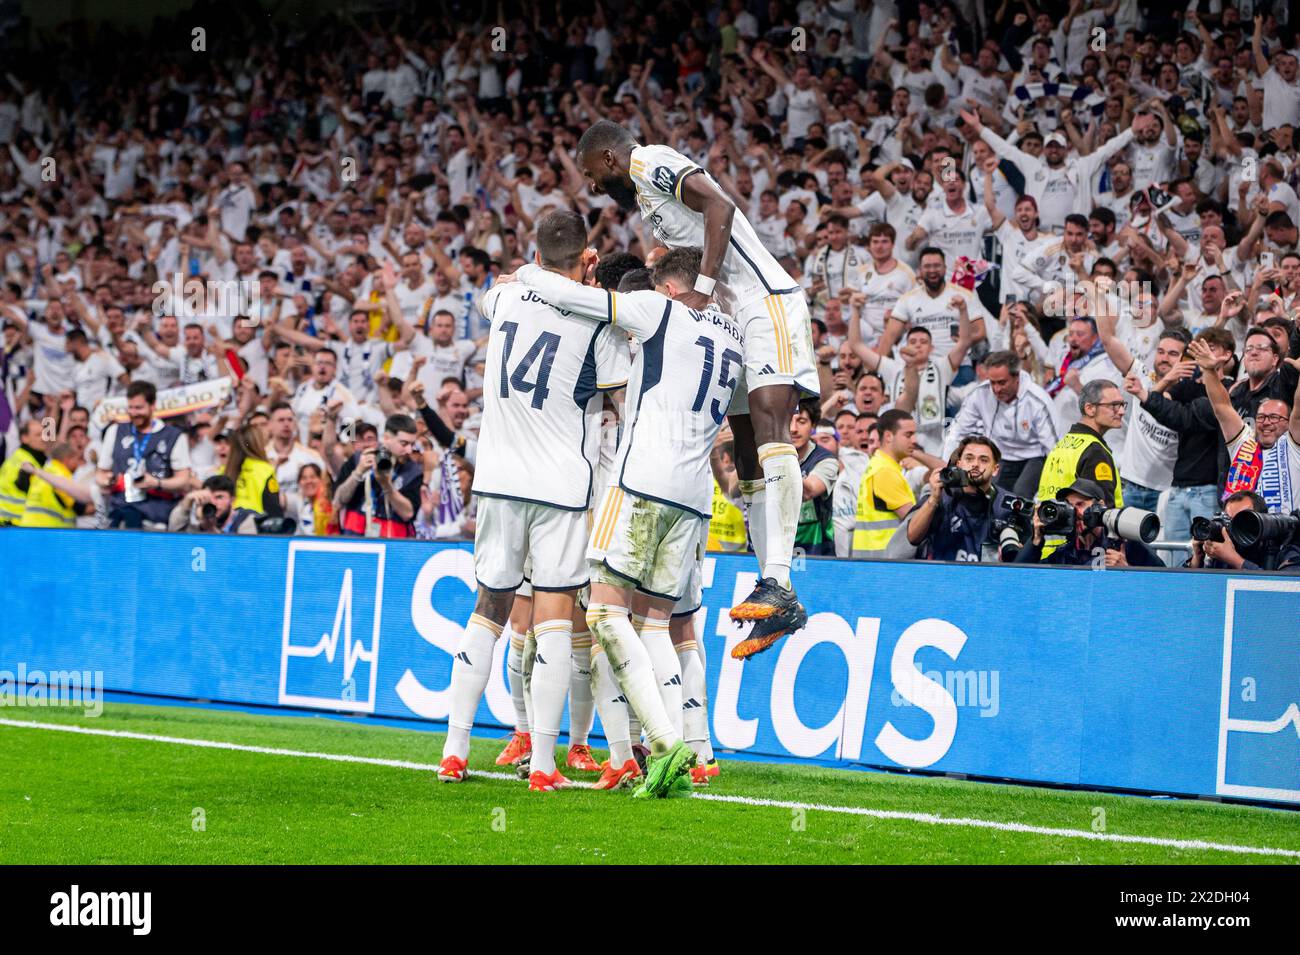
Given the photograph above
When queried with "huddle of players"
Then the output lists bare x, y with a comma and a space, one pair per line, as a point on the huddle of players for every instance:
555, 344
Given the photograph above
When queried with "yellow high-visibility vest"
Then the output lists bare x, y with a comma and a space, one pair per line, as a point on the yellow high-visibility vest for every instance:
727, 525
873, 526
12, 499
1062, 465
255, 477
47, 507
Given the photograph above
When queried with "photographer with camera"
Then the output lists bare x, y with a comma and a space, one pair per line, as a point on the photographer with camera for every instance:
1095, 534
379, 486
965, 516
1215, 547
211, 510
143, 463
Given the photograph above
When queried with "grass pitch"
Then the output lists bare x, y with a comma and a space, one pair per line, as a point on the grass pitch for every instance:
74, 798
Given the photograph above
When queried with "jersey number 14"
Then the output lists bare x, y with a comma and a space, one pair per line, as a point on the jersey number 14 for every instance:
545, 348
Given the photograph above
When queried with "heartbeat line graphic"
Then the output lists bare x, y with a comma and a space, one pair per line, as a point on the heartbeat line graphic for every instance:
1291, 715
329, 642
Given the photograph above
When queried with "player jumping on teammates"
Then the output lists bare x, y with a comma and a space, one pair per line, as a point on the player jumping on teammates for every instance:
649, 528
534, 483
688, 210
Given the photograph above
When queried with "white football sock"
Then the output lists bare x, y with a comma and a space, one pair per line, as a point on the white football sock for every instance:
581, 702
704, 698
612, 706
755, 497
526, 687
515, 673
784, 499
634, 672
695, 704
470, 671
654, 634
552, 673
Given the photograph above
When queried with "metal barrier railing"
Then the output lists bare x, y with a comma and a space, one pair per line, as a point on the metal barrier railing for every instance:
1180, 547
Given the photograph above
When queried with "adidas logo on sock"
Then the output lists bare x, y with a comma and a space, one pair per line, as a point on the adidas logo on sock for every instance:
539, 659
464, 658
620, 699
675, 681
691, 704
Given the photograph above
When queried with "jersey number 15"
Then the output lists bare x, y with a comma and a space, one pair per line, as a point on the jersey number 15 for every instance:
725, 378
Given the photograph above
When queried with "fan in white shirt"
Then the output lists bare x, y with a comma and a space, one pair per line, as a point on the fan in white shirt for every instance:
440, 355
322, 391
1019, 236
361, 358
930, 305
1281, 91
885, 282
957, 227
932, 377
285, 451
52, 362
236, 203
97, 372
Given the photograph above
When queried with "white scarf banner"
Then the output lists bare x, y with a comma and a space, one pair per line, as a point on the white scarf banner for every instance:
171, 402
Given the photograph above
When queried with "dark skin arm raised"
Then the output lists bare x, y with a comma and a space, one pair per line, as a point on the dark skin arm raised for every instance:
701, 194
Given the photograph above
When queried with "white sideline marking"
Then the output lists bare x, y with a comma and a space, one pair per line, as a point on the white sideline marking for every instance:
922, 817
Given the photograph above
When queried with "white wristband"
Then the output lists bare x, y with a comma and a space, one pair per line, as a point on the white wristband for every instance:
704, 284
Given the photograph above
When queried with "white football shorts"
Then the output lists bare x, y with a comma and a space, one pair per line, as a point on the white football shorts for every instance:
509, 533
693, 596
650, 545
778, 347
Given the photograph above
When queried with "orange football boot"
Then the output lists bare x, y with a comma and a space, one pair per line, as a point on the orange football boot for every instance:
520, 745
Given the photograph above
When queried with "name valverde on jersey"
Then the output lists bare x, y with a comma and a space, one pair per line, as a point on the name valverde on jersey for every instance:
749, 271
545, 369
682, 382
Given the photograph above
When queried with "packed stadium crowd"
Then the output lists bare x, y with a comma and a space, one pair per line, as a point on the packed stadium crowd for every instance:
1051, 253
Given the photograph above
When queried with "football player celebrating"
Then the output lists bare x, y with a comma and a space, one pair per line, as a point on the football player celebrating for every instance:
685, 207
645, 543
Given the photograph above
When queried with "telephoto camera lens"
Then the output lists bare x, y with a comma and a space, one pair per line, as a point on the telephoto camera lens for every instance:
1009, 541
1251, 527
1131, 524
384, 460
209, 512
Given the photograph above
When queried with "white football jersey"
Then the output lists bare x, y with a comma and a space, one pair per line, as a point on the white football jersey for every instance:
682, 381
918, 308
749, 271
541, 402
883, 291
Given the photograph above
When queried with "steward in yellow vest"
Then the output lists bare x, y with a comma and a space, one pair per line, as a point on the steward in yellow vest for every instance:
14, 484
727, 525
256, 488
884, 496
46, 505
1083, 454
